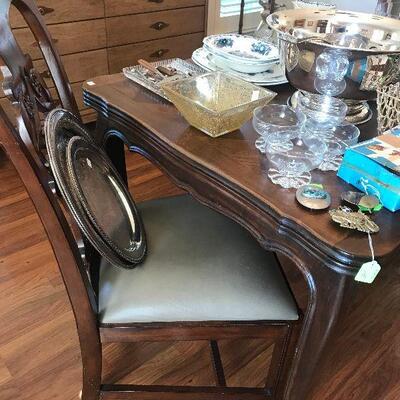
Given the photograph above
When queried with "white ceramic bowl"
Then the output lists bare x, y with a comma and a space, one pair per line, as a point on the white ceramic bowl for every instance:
241, 66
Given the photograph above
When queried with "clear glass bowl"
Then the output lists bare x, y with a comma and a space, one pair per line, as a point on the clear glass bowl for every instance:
321, 112
277, 125
291, 169
216, 102
337, 142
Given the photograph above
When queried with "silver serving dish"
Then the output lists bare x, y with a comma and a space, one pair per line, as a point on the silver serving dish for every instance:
141, 75
364, 47
93, 191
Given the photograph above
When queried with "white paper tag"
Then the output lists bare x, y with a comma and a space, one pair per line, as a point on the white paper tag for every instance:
368, 272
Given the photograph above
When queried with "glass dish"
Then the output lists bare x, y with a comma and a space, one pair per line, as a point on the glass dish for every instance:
216, 103
321, 112
276, 125
291, 169
341, 138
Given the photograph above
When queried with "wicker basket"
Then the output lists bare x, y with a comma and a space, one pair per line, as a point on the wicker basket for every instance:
388, 107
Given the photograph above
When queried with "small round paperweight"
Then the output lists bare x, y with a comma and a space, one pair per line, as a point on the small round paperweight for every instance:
313, 197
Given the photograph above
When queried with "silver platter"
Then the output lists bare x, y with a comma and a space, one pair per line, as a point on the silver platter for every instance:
62, 130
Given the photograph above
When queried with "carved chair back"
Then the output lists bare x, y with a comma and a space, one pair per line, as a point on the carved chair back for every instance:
76, 276
23, 144
22, 84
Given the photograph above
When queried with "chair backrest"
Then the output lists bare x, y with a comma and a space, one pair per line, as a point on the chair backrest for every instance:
75, 272
22, 84
80, 170
23, 145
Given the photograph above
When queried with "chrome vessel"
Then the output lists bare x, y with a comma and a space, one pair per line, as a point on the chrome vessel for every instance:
338, 53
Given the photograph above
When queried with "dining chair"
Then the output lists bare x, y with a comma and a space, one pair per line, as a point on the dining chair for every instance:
162, 270
22, 84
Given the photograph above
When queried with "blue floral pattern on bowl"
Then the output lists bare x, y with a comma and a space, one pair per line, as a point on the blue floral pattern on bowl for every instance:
241, 48
261, 48
224, 42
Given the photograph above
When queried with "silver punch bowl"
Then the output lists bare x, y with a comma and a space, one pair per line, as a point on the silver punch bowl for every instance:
339, 53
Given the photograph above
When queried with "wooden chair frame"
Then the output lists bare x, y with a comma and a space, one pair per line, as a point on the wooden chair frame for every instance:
22, 145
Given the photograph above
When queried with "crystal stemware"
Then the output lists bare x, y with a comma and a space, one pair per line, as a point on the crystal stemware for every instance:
291, 168
337, 141
321, 112
276, 125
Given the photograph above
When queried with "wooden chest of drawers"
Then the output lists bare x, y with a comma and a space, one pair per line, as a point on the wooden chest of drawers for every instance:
96, 37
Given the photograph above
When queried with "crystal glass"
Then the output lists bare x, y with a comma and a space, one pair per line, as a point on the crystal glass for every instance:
337, 141
276, 125
321, 112
331, 68
216, 102
291, 169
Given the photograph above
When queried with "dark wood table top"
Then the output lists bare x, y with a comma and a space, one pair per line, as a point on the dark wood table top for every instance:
235, 161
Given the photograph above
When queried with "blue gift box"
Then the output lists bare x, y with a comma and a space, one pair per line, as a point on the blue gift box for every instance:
375, 164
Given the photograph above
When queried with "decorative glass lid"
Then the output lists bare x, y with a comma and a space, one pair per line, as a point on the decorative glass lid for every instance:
93, 191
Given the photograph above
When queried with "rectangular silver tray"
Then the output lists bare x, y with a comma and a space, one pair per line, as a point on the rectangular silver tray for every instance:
140, 74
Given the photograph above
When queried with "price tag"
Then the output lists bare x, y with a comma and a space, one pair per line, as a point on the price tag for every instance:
368, 272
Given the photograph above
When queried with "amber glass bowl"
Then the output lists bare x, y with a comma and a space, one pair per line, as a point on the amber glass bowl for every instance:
216, 102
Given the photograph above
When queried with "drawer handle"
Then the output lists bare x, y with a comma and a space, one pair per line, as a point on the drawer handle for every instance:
159, 53
158, 26
45, 10
156, 1
45, 74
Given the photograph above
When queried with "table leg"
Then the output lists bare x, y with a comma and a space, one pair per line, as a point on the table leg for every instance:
327, 289
113, 145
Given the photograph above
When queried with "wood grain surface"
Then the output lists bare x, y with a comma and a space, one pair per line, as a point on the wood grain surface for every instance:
150, 26
154, 50
234, 161
39, 353
122, 7
71, 37
63, 11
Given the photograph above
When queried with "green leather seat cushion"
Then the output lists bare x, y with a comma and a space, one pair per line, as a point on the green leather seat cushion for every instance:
200, 266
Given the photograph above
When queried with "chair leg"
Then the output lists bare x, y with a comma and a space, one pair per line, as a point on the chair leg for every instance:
91, 365
282, 359
217, 364
275, 368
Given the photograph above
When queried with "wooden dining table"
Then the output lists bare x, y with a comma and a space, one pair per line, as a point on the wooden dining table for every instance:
319, 258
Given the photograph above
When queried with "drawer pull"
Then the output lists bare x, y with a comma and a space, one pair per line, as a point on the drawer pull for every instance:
156, 1
158, 26
159, 53
45, 74
45, 10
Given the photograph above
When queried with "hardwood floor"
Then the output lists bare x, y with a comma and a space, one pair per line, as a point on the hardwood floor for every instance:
39, 355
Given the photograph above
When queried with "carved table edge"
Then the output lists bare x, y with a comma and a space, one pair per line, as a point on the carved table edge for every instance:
336, 259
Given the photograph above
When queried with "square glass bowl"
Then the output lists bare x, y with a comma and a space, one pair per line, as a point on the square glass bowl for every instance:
216, 103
